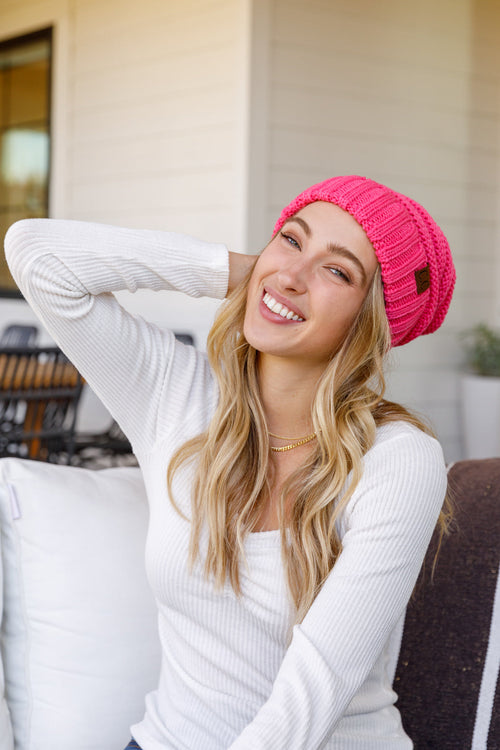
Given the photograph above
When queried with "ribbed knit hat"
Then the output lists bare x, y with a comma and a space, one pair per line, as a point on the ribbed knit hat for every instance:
415, 259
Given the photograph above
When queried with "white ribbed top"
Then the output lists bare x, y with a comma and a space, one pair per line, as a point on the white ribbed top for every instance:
228, 678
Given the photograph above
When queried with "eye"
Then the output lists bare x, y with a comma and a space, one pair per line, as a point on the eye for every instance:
291, 240
340, 273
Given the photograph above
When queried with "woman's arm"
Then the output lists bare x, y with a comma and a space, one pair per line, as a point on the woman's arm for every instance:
68, 271
389, 523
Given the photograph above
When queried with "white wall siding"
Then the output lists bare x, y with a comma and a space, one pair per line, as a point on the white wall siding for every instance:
146, 122
407, 93
154, 122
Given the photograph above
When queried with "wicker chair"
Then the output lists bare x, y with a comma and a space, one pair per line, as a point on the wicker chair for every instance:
39, 395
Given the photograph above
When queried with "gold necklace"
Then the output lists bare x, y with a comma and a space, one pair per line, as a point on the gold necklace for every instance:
301, 441
281, 437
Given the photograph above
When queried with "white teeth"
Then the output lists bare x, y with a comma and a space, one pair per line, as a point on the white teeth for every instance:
277, 307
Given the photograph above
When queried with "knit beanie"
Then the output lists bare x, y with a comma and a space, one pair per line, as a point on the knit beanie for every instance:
414, 256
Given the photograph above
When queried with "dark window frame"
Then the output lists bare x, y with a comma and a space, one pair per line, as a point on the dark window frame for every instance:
45, 34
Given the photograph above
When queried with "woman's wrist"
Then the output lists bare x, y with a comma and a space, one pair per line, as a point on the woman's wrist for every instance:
240, 265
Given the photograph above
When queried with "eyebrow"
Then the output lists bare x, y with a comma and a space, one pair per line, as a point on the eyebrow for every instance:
333, 247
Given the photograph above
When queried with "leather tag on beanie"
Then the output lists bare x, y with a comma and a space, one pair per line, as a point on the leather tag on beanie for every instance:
423, 279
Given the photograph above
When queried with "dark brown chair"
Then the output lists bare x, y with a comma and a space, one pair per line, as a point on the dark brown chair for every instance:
39, 395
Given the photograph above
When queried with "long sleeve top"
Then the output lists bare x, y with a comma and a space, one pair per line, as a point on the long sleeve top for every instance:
235, 673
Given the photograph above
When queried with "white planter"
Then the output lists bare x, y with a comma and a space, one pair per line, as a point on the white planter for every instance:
481, 416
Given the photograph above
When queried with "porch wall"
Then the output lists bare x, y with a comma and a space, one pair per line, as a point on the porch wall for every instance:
149, 104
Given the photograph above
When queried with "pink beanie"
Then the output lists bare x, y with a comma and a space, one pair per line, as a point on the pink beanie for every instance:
415, 260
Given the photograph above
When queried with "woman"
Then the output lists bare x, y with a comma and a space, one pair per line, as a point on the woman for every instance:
299, 503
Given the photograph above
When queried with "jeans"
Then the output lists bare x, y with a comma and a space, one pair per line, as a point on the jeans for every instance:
132, 745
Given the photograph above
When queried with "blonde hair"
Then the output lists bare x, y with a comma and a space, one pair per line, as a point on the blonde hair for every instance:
231, 474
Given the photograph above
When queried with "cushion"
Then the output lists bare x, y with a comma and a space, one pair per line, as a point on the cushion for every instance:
447, 677
6, 737
79, 630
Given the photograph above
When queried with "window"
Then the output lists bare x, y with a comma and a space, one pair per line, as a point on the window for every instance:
25, 74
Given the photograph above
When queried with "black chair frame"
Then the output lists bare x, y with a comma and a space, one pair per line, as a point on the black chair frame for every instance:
39, 395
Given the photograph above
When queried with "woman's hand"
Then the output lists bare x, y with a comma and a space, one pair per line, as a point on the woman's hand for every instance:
239, 266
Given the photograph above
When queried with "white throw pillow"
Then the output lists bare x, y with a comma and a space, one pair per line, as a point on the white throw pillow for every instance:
6, 737
79, 631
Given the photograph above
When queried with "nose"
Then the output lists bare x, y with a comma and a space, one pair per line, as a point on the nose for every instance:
293, 276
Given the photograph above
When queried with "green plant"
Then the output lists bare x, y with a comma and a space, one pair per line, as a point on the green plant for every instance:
483, 350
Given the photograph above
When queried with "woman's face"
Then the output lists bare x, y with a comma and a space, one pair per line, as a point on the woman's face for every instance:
308, 285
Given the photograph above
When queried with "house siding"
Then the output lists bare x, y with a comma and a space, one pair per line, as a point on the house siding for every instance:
154, 124
148, 115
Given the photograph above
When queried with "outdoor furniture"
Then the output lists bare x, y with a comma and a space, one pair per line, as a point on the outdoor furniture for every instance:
103, 449
19, 335
448, 664
39, 395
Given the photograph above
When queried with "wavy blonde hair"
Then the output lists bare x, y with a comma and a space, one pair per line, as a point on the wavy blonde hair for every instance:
232, 458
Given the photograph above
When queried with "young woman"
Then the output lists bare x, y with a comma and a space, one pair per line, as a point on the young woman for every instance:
290, 504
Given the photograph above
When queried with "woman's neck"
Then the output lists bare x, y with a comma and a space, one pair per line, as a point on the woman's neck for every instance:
287, 391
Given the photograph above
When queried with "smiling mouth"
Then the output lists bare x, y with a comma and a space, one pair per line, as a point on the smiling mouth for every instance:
279, 309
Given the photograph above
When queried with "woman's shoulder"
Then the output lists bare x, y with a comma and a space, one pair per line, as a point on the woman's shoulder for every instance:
398, 441
400, 429
404, 476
